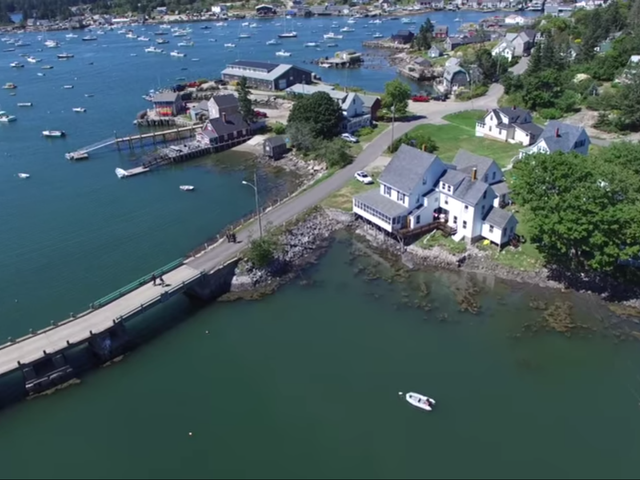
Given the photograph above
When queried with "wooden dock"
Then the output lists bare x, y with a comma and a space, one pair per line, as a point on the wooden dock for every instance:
133, 141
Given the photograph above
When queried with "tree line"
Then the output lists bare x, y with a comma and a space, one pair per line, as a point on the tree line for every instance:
61, 9
584, 61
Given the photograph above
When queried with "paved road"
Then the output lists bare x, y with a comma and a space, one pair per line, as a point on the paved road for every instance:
431, 112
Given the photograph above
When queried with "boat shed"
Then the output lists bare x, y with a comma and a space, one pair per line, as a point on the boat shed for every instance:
266, 76
275, 147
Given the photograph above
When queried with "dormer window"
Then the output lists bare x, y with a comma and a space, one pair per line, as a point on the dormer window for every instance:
449, 188
493, 176
387, 191
401, 197
443, 185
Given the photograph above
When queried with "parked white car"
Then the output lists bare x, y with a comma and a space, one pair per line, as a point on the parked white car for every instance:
349, 138
364, 178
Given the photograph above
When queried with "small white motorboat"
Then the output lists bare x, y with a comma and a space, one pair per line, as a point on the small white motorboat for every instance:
46, 67
40, 74
6, 118
283, 53
230, 45
25, 104
68, 87
273, 42
311, 44
80, 155
79, 109
88, 95
187, 188
176, 53
23, 175
16, 65
420, 401
53, 133
378, 35
332, 36
244, 35
121, 173
153, 50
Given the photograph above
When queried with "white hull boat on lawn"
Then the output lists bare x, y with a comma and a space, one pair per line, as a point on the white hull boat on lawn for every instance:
420, 401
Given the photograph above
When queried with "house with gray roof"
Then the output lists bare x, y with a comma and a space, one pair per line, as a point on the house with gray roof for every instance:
560, 137
454, 77
167, 104
513, 125
225, 131
418, 188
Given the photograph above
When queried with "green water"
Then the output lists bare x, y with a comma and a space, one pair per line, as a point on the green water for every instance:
304, 384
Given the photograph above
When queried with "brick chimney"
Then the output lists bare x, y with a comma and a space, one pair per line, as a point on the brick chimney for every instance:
557, 133
224, 117
474, 174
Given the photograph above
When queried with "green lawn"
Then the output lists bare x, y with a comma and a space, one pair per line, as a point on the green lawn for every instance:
526, 257
343, 198
460, 134
438, 239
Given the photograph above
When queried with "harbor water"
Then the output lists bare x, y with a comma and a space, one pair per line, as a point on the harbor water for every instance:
304, 383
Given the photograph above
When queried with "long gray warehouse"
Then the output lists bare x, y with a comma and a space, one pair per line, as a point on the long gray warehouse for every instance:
266, 76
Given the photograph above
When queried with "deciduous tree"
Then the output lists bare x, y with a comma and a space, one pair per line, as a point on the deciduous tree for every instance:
319, 112
396, 95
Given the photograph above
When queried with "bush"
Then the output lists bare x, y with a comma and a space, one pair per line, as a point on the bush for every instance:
335, 153
363, 132
475, 92
279, 128
423, 142
262, 251
550, 113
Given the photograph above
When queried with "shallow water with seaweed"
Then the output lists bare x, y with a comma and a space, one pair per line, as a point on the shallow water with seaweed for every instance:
305, 383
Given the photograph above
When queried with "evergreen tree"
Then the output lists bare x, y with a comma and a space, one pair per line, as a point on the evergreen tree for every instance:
424, 38
245, 103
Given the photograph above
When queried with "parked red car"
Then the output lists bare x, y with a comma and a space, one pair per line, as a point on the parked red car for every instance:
260, 114
420, 98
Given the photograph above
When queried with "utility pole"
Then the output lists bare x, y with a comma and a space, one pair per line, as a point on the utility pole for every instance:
393, 121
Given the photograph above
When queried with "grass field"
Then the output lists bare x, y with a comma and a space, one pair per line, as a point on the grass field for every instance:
460, 134
343, 198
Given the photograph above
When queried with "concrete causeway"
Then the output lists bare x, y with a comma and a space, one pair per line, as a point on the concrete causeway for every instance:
77, 330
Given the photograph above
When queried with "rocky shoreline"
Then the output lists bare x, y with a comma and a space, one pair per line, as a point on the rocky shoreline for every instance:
303, 243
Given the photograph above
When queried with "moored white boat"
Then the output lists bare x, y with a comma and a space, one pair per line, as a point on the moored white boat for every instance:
176, 53
311, 44
23, 175
9, 86
25, 104
273, 42
6, 118
332, 35
53, 133
230, 45
33, 60
79, 109
420, 401
16, 65
51, 44
64, 56
187, 188
68, 87
153, 50
121, 173
283, 53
